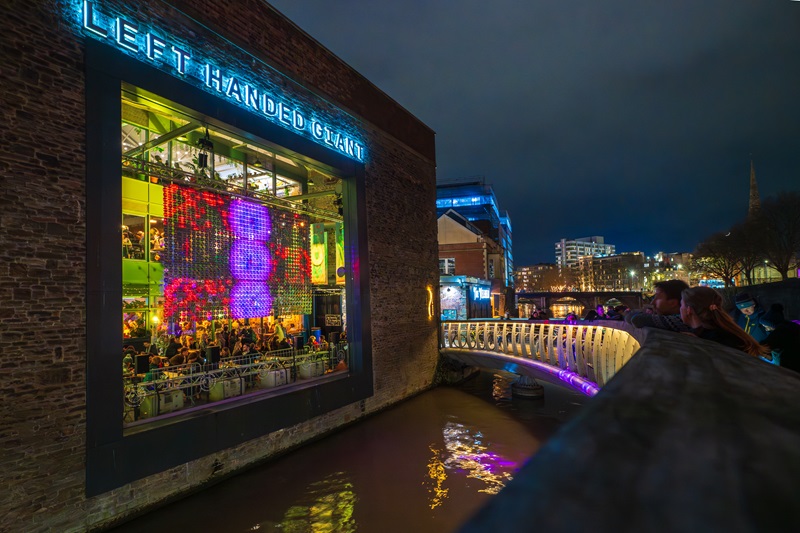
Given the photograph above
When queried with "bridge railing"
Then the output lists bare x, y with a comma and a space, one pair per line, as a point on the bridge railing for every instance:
593, 352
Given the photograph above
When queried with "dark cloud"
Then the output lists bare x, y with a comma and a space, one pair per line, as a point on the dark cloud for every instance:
629, 119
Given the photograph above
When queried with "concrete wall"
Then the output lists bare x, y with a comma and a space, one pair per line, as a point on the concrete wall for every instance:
43, 260
688, 436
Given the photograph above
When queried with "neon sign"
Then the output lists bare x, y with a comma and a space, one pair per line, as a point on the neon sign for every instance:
480, 294
178, 60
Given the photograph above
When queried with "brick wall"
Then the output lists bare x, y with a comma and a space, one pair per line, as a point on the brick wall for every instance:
470, 258
43, 236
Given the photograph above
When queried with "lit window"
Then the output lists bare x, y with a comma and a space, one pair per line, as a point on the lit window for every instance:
447, 266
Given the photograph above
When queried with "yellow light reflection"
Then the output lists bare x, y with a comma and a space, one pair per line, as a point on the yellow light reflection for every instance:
329, 509
430, 302
438, 474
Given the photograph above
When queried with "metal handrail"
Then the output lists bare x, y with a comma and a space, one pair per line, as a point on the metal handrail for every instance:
245, 369
594, 353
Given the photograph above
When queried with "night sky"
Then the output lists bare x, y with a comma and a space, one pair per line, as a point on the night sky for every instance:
630, 119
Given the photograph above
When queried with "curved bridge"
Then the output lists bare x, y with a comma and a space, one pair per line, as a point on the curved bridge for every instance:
582, 357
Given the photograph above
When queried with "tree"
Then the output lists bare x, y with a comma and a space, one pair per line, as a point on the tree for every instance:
779, 231
719, 257
745, 239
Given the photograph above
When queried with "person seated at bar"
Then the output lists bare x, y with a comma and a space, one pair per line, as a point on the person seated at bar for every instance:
262, 345
247, 354
312, 343
238, 346
126, 245
154, 371
172, 347
151, 349
204, 343
193, 363
180, 358
128, 369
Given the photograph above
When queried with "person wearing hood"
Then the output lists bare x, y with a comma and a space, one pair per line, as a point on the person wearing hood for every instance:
783, 338
748, 316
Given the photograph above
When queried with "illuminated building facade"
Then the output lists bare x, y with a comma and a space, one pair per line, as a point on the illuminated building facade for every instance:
569, 251
666, 266
477, 203
479, 233
539, 277
468, 260
179, 170
620, 272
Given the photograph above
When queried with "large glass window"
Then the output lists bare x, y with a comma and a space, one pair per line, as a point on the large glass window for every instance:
232, 263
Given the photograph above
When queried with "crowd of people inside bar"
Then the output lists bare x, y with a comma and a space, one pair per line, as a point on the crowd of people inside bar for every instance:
239, 349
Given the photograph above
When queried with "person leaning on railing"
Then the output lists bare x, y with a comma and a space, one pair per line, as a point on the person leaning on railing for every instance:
701, 309
666, 308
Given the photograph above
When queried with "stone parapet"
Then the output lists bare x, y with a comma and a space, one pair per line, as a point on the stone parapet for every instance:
688, 436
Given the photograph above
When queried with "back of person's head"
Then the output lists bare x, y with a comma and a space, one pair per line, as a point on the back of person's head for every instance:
672, 288
707, 305
704, 301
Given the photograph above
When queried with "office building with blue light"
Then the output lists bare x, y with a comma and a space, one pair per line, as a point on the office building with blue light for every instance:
473, 204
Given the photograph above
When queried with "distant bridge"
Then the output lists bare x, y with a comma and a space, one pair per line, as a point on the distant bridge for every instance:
589, 300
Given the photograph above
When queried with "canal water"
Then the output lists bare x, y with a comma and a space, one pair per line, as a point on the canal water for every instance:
425, 465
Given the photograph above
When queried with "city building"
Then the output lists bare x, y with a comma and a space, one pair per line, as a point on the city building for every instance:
196, 169
619, 272
472, 201
476, 201
666, 266
569, 251
539, 277
466, 253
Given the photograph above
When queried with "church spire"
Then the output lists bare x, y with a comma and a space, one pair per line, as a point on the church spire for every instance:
755, 200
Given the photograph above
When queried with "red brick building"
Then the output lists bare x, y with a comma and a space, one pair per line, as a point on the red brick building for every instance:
209, 94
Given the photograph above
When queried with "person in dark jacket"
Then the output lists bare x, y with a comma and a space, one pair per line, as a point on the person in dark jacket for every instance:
666, 308
747, 316
172, 348
783, 338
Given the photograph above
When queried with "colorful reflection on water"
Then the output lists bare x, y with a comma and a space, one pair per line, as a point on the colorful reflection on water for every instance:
424, 466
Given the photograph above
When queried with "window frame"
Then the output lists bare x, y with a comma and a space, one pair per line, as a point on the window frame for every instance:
115, 457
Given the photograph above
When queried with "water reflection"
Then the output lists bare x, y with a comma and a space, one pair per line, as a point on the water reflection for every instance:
467, 453
438, 474
329, 510
425, 465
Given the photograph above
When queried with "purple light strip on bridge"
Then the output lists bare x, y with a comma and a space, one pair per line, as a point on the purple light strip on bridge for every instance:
570, 378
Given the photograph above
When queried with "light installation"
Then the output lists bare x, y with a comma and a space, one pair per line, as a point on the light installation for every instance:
232, 258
